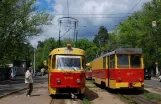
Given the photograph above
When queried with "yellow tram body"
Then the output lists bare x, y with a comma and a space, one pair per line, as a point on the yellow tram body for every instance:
61, 80
107, 71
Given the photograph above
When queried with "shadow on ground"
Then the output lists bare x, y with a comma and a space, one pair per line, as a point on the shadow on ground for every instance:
90, 95
132, 91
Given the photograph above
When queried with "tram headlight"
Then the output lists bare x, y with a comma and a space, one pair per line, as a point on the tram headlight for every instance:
120, 79
140, 79
78, 81
58, 80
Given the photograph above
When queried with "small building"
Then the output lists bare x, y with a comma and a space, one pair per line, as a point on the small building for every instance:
21, 66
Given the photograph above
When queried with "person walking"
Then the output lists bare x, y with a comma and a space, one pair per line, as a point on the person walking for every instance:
29, 81
42, 71
15, 74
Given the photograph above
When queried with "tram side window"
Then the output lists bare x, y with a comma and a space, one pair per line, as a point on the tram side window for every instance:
135, 61
83, 63
53, 62
104, 62
49, 61
112, 61
123, 61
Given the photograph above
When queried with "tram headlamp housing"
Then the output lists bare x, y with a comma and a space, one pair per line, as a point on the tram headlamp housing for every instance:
78, 81
69, 46
140, 79
58, 80
120, 79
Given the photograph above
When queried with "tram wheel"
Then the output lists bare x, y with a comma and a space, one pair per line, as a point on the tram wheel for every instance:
80, 96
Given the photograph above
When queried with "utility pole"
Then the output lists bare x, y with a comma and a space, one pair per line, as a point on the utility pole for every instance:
156, 45
59, 32
34, 61
76, 38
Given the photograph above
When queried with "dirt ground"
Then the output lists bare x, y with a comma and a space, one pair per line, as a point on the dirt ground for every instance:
97, 95
94, 94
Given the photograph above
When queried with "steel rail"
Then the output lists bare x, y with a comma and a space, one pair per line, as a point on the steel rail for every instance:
66, 101
136, 99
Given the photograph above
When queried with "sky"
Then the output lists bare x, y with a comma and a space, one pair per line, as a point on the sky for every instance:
91, 14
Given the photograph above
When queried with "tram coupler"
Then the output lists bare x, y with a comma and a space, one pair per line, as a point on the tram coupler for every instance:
73, 96
130, 85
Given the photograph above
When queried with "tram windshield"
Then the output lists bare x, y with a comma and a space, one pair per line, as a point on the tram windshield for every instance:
135, 61
68, 62
123, 61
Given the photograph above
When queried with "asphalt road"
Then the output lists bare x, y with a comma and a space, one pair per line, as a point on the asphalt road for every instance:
153, 83
8, 86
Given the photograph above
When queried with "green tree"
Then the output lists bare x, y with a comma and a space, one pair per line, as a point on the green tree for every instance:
137, 31
102, 37
19, 20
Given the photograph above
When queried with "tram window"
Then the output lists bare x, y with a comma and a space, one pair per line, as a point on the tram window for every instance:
123, 61
49, 61
53, 62
104, 62
112, 61
135, 61
68, 62
83, 63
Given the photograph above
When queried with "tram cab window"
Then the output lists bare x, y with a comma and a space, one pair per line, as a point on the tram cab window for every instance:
68, 62
83, 63
49, 61
135, 61
53, 62
122, 61
112, 61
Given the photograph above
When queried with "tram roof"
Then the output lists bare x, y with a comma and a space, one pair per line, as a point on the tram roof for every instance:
75, 51
123, 51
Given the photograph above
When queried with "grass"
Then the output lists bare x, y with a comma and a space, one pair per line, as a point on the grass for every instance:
89, 81
93, 86
86, 101
127, 99
152, 96
145, 86
148, 95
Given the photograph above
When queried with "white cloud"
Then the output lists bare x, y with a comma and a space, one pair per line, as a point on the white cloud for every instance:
94, 7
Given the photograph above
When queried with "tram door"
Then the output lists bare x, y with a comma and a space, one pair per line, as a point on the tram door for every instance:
49, 70
111, 67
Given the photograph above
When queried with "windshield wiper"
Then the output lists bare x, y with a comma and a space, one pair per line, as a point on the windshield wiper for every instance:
73, 68
61, 68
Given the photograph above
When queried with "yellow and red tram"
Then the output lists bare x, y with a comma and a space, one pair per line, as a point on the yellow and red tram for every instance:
66, 71
121, 68
88, 71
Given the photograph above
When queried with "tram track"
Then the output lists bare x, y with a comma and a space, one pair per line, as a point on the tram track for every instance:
136, 99
66, 101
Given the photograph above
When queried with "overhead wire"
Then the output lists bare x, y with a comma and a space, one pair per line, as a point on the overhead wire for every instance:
131, 10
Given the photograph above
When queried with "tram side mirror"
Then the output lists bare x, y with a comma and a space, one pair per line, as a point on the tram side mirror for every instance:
45, 63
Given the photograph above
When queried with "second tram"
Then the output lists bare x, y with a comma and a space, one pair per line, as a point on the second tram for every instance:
121, 68
89, 71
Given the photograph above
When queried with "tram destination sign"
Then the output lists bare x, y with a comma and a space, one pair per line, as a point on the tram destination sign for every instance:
128, 51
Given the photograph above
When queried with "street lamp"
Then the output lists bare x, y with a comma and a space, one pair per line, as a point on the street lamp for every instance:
154, 24
34, 60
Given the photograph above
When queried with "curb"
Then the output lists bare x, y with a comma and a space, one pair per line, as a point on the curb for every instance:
13, 92
153, 86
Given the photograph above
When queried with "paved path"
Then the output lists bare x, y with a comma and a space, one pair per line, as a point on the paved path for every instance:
153, 83
7, 87
39, 96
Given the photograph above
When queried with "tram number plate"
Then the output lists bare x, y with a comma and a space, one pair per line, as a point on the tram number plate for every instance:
68, 77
